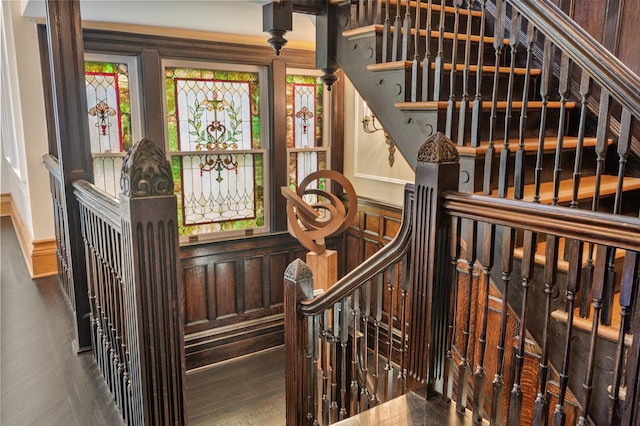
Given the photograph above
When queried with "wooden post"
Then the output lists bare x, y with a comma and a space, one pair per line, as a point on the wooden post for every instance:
431, 274
298, 285
324, 268
66, 61
148, 211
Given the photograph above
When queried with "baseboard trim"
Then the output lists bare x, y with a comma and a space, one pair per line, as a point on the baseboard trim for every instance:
40, 255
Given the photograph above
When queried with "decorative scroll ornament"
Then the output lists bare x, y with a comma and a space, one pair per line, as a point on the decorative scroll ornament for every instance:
146, 171
304, 115
311, 223
103, 111
438, 149
298, 270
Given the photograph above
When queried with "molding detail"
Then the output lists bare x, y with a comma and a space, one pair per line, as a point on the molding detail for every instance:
298, 270
438, 149
146, 171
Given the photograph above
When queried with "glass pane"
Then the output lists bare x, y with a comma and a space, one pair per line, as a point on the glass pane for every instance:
106, 173
304, 111
228, 197
303, 163
215, 113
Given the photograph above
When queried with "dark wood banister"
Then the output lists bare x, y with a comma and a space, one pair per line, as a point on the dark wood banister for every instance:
108, 206
602, 65
380, 260
52, 164
602, 228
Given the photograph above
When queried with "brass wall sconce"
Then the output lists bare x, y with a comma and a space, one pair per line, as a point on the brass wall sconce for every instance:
370, 124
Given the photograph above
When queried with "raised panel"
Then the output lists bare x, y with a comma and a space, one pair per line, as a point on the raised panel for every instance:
372, 223
225, 275
279, 262
252, 283
353, 257
589, 15
391, 227
194, 279
629, 33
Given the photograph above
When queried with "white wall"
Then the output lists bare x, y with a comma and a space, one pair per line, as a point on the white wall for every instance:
26, 179
365, 157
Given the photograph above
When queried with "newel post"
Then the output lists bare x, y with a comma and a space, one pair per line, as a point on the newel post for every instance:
298, 285
152, 288
431, 276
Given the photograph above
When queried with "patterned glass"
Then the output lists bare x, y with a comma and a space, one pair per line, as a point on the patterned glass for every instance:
214, 139
109, 113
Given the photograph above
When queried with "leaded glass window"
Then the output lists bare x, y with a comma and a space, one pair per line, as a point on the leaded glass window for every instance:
307, 151
109, 111
214, 140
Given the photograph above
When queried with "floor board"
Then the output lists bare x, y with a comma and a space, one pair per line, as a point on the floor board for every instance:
44, 382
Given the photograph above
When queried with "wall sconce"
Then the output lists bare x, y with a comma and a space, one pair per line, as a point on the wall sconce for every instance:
370, 124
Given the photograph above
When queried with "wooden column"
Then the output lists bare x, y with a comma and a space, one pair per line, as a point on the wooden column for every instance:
431, 274
66, 60
298, 285
148, 211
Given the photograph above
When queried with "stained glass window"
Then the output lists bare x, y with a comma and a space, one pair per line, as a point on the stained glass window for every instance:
109, 113
214, 139
306, 149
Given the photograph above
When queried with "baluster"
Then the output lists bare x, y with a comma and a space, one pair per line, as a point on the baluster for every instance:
528, 265
309, 375
624, 143
324, 361
454, 255
627, 283
477, 100
600, 276
464, 100
391, 281
376, 10
354, 355
406, 31
564, 90
416, 60
519, 177
486, 259
364, 368
505, 154
439, 71
426, 62
397, 29
386, 28
498, 44
464, 368
451, 106
376, 343
508, 240
362, 13
404, 283
541, 407
573, 285
545, 80
344, 339
335, 336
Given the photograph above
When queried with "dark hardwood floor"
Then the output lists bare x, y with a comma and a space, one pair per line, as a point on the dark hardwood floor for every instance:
44, 382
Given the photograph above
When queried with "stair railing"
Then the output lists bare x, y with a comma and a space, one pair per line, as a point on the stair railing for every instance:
131, 251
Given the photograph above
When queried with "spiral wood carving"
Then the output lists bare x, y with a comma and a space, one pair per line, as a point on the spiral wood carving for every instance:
312, 223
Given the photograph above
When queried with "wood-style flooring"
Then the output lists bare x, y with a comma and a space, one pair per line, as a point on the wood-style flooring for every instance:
44, 382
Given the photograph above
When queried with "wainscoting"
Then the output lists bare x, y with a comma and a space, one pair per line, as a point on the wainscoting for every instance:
233, 290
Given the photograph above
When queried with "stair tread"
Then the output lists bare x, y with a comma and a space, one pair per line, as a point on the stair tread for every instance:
411, 409
608, 186
437, 7
488, 69
486, 105
379, 28
531, 145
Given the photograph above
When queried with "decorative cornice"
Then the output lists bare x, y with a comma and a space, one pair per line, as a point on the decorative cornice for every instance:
438, 149
146, 171
298, 270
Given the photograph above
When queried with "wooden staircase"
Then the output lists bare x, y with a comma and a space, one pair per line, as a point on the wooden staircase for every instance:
535, 122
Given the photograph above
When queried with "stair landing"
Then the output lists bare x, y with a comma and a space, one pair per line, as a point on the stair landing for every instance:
411, 409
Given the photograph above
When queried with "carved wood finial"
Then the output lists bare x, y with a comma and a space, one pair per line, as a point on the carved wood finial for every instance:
146, 171
298, 270
438, 149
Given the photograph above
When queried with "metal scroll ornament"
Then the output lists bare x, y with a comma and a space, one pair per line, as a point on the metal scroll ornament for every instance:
146, 171
312, 222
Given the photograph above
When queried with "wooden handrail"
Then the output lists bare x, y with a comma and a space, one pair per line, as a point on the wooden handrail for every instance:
378, 262
52, 164
602, 65
602, 228
98, 200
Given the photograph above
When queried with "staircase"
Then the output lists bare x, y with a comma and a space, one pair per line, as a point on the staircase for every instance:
538, 120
